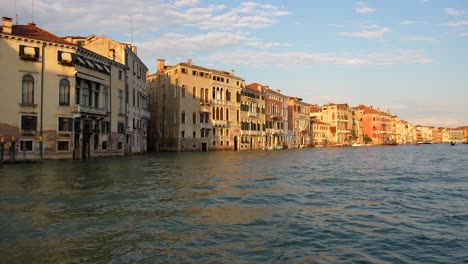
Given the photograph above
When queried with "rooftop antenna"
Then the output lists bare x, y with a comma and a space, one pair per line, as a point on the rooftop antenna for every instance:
16, 14
131, 29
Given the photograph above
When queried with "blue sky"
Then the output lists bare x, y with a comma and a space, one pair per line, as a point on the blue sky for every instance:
406, 56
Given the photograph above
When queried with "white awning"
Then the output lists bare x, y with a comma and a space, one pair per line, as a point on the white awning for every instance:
29, 51
66, 56
91, 78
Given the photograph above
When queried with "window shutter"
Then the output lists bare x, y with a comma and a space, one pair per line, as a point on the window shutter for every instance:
36, 51
59, 56
34, 121
21, 50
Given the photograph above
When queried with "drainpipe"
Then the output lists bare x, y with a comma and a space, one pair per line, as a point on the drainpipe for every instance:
42, 100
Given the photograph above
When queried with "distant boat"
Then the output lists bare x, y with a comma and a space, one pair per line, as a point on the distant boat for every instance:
452, 143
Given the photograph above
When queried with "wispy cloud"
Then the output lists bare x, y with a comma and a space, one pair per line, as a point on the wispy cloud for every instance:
464, 34
458, 23
377, 32
248, 57
362, 8
407, 22
335, 25
455, 12
420, 38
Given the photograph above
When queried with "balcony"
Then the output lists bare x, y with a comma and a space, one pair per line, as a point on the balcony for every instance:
83, 109
220, 123
205, 125
253, 114
205, 102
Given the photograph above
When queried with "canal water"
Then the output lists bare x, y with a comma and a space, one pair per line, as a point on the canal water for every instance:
404, 204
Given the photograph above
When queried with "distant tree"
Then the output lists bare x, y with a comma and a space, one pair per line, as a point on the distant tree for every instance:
367, 139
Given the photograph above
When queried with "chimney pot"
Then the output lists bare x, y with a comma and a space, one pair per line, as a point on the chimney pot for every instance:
7, 21
189, 62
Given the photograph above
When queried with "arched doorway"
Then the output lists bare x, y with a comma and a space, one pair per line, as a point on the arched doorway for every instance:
235, 143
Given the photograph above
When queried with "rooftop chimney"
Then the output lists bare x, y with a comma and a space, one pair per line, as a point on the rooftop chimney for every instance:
189, 62
161, 65
6, 25
278, 90
232, 72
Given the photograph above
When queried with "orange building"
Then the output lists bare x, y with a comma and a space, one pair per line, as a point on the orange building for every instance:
376, 124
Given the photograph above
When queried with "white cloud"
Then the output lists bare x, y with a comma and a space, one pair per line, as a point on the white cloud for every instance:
378, 33
464, 34
362, 8
408, 22
335, 25
458, 23
420, 38
454, 12
181, 3
292, 58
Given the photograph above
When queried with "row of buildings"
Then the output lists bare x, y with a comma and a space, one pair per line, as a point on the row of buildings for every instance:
79, 97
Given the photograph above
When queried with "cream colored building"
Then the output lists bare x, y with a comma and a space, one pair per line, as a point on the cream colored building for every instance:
299, 122
321, 133
196, 108
454, 135
339, 116
136, 110
253, 127
55, 90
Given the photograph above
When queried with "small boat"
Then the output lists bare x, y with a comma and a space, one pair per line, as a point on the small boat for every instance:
452, 143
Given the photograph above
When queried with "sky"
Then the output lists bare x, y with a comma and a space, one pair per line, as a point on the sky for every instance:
408, 57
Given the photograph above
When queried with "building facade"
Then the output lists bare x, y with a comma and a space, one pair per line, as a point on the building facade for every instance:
197, 108
299, 121
56, 95
136, 110
339, 116
253, 127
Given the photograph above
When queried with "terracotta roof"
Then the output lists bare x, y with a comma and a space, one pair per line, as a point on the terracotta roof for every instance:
34, 32
225, 73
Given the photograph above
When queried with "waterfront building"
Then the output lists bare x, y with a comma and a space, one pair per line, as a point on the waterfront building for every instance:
465, 133
57, 95
321, 133
454, 135
276, 117
299, 121
253, 126
135, 110
424, 134
339, 117
376, 125
196, 108
437, 135
356, 132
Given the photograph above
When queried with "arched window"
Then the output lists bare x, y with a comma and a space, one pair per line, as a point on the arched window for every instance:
183, 117
194, 92
217, 93
64, 92
221, 94
221, 114
228, 95
183, 90
227, 114
214, 93
237, 117
206, 95
217, 113
213, 113
194, 117
201, 94
28, 90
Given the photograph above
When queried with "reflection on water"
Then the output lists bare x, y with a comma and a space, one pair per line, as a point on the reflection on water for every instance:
379, 205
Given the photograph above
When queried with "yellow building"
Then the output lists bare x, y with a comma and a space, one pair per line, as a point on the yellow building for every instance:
136, 111
339, 116
253, 127
321, 133
57, 91
196, 108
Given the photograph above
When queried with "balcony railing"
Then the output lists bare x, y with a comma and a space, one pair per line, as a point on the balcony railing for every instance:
205, 125
220, 123
84, 109
253, 114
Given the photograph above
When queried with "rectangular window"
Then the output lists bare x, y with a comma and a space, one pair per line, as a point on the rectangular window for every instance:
105, 127
96, 142
120, 74
26, 145
182, 134
121, 102
63, 145
65, 58
104, 145
120, 145
65, 124
120, 128
194, 134
28, 123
